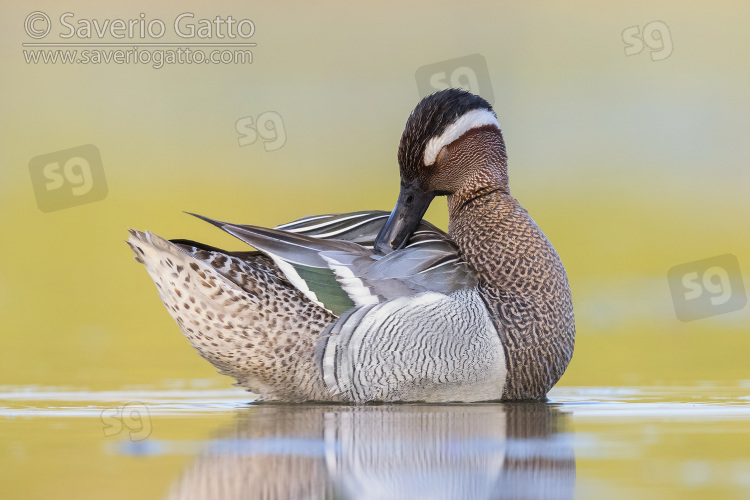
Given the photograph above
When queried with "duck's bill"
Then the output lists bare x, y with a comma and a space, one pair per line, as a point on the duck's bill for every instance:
412, 203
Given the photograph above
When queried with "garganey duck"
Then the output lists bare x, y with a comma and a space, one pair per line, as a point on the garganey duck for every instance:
372, 306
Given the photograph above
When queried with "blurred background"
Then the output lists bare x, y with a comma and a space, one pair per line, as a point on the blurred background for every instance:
630, 164
625, 127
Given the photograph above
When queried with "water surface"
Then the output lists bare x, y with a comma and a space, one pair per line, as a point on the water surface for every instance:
190, 444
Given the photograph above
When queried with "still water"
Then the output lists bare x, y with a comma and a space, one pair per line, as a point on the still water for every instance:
691, 442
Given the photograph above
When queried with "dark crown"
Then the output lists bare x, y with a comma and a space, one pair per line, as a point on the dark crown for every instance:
429, 119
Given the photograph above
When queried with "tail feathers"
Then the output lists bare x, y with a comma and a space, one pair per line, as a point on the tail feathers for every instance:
136, 250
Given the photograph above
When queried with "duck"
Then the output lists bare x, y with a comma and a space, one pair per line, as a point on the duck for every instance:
378, 306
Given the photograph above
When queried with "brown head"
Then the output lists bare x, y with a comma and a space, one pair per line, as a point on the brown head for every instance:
451, 145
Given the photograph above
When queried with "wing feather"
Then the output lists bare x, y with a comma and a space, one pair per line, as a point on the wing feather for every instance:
330, 259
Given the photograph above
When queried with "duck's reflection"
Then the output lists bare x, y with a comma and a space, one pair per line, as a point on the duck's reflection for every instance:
490, 451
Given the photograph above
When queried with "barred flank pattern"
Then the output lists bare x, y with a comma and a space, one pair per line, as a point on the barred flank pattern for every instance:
524, 284
426, 347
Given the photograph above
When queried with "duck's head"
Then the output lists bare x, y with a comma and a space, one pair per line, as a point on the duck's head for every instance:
451, 145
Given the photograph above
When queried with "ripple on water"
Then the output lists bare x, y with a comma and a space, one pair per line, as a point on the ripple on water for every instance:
592, 442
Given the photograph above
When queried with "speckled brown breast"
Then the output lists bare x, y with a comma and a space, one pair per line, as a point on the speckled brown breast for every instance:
525, 287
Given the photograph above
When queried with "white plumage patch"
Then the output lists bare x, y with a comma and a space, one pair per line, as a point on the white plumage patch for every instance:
473, 119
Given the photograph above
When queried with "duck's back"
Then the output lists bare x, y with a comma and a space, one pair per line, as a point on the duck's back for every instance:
525, 287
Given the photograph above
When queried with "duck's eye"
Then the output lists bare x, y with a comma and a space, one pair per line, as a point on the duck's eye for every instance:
409, 199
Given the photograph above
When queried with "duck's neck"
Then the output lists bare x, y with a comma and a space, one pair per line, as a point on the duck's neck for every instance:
459, 201
480, 222
524, 285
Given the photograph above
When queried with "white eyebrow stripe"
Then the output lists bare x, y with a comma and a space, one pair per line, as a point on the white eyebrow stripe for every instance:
473, 119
